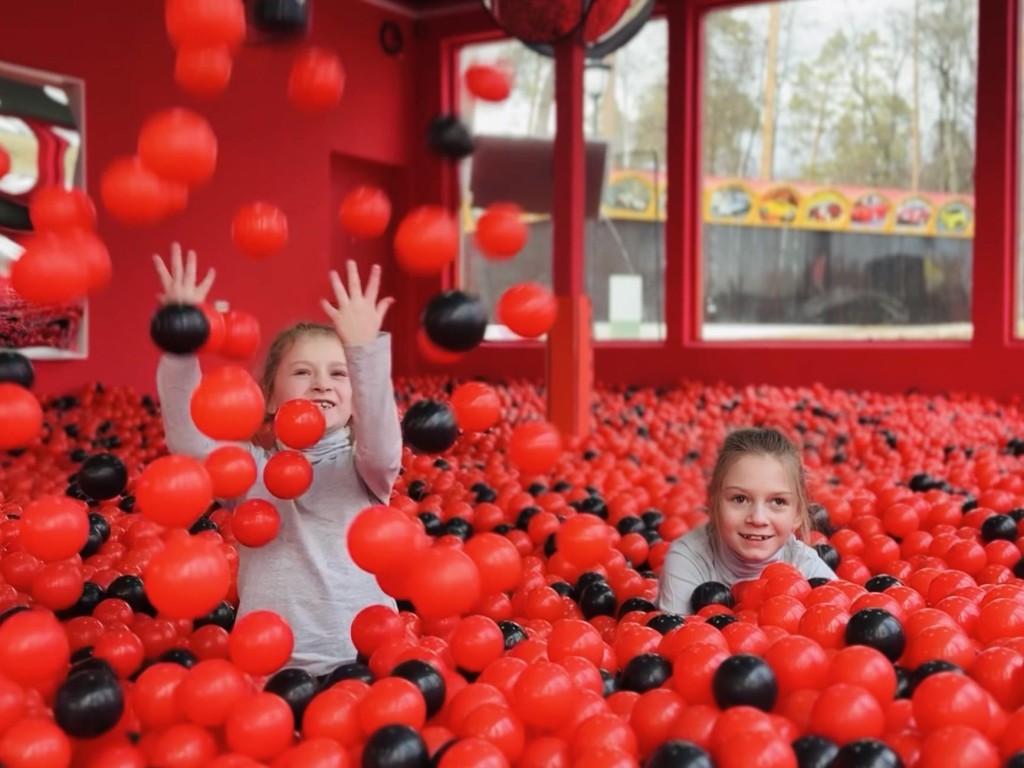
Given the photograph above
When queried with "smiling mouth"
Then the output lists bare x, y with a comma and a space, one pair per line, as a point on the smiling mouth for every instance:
754, 537
324, 405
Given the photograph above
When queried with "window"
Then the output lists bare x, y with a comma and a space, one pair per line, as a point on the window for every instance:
624, 125
838, 169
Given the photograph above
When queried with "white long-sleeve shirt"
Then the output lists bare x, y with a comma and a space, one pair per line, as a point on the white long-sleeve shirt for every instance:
306, 574
701, 556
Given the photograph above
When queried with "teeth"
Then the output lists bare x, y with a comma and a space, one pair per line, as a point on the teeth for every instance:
751, 537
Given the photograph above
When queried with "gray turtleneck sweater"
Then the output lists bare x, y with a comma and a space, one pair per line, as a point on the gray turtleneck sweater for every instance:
306, 574
701, 556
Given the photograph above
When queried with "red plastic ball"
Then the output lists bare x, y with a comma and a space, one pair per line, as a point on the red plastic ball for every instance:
49, 272
288, 474
255, 523
135, 195
54, 208
443, 582
476, 405
232, 471
54, 527
427, 240
501, 232
380, 539
174, 491
317, 81
498, 562
583, 540
179, 145
203, 72
205, 23
299, 423
21, 416
228, 404
210, 690
260, 726
535, 446
241, 335
488, 82
260, 643
35, 743
365, 212
35, 648
188, 578
259, 230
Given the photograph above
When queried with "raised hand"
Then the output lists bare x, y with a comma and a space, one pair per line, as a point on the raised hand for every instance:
358, 316
179, 282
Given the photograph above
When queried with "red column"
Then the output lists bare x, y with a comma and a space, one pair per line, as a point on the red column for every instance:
570, 354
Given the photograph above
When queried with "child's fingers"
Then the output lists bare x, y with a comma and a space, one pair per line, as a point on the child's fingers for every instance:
383, 306
176, 267
339, 289
373, 284
204, 287
329, 309
190, 268
161, 270
355, 285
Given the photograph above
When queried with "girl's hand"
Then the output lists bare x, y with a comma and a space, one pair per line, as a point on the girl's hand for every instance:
359, 315
179, 283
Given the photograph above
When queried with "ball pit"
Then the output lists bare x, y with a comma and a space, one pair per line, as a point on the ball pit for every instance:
534, 640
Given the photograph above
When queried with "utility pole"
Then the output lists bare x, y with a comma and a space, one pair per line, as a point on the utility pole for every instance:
915, 128
768, 112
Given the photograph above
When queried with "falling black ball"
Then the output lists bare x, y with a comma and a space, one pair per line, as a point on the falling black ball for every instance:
102, 476
449, 137
15, 368
351, 670
1015, 760
455, 321
928, 668
711, 593
597, 600
131, 589
644, 672
679, 754
866, 753
222, 616
427, 679
297, 687
89, 703
395, 746
179, 329
666, 622
429, 426
877, 629
513, 634
881, 583
745, 680
999, 527
814, 752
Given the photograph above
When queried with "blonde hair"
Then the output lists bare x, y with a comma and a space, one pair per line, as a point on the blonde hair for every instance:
760, 442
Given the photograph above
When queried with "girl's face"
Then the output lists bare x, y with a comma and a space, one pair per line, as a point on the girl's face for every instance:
314, 368
758, 507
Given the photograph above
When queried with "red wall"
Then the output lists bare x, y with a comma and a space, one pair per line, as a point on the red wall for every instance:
990, 363
266, 151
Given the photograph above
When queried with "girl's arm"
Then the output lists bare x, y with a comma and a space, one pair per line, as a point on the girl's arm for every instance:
378, 435
177, 377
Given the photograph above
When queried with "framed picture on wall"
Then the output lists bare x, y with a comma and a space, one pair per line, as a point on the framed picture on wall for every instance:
42, 133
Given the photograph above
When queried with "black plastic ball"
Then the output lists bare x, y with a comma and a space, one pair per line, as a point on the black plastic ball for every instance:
609, 683
395, 746
92, 595
429, 426
513, 634
666, 622
102, 476
350, 670
427, 679
222, 616
721, 620
179, 329
585, 580
99, 532
679, 754
902, 682
652, 519
5, 615
630, 524
297, 687
877, 629
818, 581
866, 753
597, 600
89, 703
563, 588
814, 752
1015, 760
459, 527
745, 680
927, 669
449, 137
881, 583
15, 368
828, 554
644, 672
455, 321
999, 527
180, 656
131, 589
711, 593
431, 523
636, 604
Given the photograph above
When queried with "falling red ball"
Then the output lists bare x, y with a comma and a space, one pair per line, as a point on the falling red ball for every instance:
427, 240
259, 230
299, 423
49, 272
365, 212
317, 81
527, 309
241, 335
255, 523
535, 446
205, 23
488, 82
203, 72
54, 528
288, 474
56, 209
135, 195
21, 416
174, 491
228, 404
432, 353
188, 578
501, 232
179, 145
476, 406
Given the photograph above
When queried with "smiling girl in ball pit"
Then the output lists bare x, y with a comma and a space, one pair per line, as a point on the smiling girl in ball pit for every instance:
758, 505
305, 573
